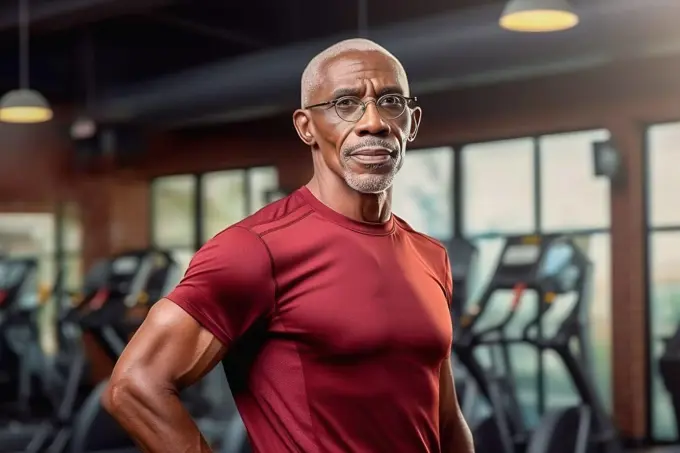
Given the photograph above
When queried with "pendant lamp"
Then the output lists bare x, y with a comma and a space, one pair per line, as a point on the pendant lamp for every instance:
538, 16
24, 105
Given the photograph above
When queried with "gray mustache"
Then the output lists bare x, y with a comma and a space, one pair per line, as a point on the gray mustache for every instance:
371, 144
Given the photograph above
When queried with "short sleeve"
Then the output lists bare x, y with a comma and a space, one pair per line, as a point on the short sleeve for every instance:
228, 285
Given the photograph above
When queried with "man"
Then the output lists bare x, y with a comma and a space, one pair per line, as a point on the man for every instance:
330, 313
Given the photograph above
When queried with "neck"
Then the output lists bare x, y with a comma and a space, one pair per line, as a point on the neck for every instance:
363, 207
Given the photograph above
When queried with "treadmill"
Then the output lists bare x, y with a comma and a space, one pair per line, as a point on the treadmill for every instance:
18, 297
549, 266
122, 282
118, 293
669, 368
25, 430
463, 257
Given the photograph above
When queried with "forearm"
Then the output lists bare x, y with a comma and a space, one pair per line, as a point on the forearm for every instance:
155, 419
455, 435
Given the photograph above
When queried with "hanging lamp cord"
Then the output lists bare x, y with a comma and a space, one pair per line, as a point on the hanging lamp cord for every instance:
362, 18
23, 44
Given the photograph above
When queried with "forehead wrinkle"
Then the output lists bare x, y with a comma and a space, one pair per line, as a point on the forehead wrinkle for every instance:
313, 75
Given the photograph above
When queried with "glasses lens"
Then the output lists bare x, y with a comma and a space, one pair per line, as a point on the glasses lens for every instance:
392, 106
349, 109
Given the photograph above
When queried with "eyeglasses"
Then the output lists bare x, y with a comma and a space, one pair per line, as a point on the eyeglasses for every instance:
351, 108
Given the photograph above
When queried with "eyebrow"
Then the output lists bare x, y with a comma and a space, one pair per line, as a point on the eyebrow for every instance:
341, 92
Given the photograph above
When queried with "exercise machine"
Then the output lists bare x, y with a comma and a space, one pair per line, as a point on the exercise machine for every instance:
463, 261
669, 368
117, 295
39, 393
559, 274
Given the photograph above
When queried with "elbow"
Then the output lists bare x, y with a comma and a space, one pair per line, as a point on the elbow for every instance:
122, 395
117, 394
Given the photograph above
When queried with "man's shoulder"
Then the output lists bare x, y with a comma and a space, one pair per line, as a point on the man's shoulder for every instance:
427, 246
276, 216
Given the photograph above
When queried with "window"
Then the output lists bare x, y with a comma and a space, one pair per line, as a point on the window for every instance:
572, 197
224, 201
664, 185
498, 185
261, 180
663, 217
423, 192
174, 211
500, 198
71, 246
664, 251
226, 197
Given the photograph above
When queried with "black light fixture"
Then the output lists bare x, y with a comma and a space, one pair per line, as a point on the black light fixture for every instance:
538, 16
24, 105
607, 161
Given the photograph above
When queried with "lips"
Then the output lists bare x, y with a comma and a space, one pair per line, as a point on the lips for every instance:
372, 156
372, 152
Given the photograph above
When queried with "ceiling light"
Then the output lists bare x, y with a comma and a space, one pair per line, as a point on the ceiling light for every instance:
24, 106
538, 16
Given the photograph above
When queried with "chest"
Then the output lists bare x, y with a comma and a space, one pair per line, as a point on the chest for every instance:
362, 300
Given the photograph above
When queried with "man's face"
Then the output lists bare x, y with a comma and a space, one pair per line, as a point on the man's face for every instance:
367, 153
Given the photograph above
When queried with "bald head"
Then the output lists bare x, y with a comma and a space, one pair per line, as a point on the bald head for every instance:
312, 76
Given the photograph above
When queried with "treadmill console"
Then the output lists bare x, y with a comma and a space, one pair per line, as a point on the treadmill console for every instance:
550, 263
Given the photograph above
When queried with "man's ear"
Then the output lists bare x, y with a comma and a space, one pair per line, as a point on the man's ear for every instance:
416, 115
304, 127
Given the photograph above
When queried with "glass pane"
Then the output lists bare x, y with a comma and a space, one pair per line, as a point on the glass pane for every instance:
224, 201
73, 229
664, 258
261, 180
423, 192
572, 197
174, 211
27, 234
498, 186
73, 272
183, 258
664, 184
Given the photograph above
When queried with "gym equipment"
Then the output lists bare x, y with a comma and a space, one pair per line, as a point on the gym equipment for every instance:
669, 368
111, 286
463, 261
17, 297
106, 315
26, 429
550, 266
117, 295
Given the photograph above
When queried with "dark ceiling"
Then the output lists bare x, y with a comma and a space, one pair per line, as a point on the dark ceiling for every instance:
179, 62
83, 46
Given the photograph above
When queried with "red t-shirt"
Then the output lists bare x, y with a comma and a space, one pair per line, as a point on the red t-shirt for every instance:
336, 329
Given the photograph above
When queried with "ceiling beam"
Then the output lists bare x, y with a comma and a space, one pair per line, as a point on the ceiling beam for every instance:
62, 14
223, 34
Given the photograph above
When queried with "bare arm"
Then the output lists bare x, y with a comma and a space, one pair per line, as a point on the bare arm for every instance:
169, 352
454, 433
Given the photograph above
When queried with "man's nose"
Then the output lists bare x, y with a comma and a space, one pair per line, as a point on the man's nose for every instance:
372, 123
